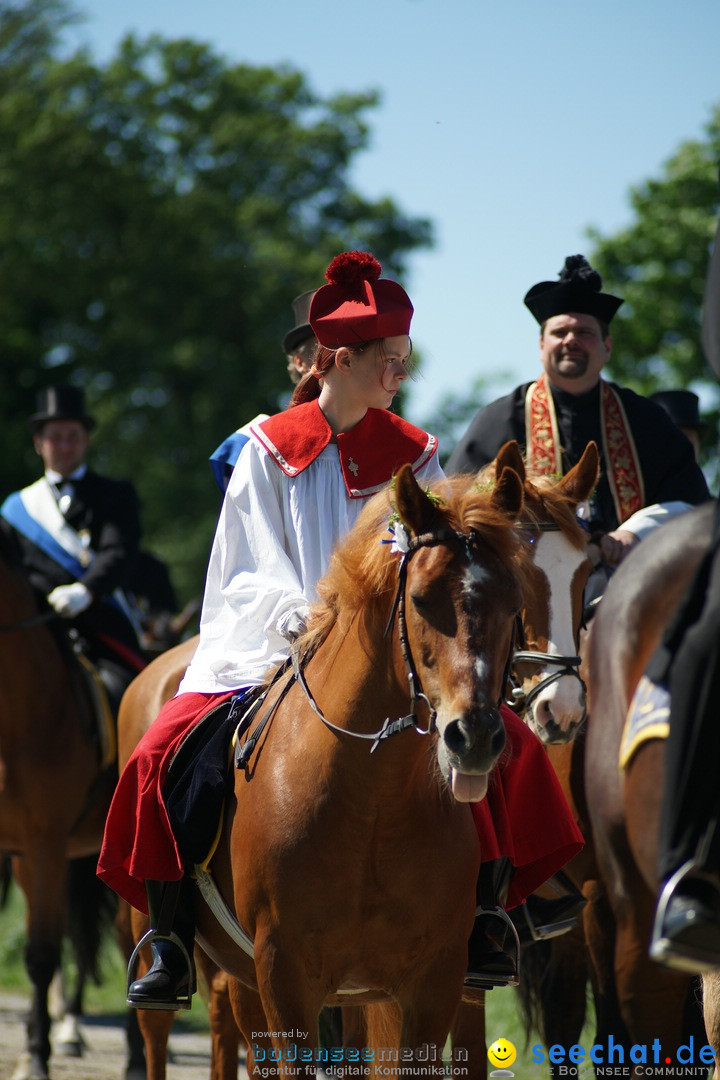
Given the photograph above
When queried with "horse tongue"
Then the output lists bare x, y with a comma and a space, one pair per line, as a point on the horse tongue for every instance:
468, 787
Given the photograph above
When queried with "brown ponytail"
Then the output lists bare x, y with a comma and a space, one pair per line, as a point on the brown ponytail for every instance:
309, 386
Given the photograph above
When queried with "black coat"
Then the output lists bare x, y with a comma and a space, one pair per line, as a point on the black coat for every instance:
108, 511
666, 457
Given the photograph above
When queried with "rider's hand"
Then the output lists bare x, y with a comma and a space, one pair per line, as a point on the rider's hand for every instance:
293, 624
70, 600
614, 546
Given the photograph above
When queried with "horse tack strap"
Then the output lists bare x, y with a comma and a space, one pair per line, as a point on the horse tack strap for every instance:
390, 727
244, 751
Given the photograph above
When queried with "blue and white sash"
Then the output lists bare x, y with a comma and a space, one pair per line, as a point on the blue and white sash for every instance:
35, 514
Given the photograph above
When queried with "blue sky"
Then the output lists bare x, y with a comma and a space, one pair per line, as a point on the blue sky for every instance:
512, 125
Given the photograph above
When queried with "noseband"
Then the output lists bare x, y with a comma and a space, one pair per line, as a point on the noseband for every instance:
407, 546
518, 700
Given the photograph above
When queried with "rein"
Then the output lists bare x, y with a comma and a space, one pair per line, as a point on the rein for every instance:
518, 700
408, 547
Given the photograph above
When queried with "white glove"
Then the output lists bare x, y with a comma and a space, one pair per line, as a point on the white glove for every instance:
70, 600
294, 623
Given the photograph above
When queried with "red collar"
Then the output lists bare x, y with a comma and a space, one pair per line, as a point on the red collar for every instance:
370, 453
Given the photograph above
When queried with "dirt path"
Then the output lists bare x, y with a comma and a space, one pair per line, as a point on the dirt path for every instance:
105, 1055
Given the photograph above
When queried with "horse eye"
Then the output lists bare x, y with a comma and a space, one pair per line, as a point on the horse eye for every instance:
421, 602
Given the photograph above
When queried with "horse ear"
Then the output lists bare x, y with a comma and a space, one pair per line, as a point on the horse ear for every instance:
509, 457
582, 478
508, 494
416, 510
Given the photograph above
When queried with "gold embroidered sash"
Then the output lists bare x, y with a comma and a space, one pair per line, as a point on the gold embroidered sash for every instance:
544, 448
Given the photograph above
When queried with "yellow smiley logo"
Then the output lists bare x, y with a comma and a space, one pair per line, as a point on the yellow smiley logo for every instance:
502, 1053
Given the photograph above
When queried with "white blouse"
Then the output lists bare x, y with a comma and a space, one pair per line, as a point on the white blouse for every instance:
273, 543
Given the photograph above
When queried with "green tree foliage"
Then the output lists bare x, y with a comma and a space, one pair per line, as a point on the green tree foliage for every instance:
658, 265
157, 216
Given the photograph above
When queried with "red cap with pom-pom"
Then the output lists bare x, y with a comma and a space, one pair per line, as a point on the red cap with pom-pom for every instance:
358, 305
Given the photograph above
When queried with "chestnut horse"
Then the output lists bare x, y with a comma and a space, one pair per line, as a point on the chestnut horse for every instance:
651, 1001
54, 789
384, 928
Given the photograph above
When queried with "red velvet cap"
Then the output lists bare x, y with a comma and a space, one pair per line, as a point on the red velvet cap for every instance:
358, 305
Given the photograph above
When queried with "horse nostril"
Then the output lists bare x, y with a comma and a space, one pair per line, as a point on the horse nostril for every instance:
486, 732
456, 737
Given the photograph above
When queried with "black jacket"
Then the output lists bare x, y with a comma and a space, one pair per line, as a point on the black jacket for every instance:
666, 457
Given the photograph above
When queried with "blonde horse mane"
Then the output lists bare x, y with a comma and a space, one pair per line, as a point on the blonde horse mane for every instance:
363, 569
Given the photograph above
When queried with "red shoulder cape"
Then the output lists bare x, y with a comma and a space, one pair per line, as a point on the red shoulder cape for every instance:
370, 454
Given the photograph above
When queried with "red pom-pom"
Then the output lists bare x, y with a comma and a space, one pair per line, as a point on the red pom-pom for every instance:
351, 268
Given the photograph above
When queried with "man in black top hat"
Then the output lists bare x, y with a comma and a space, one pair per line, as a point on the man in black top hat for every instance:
299, 348
77, 533
683, 407
648, 470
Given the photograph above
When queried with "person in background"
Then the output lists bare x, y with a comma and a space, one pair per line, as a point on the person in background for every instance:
648, 471
299, 348
77, 534
683, 408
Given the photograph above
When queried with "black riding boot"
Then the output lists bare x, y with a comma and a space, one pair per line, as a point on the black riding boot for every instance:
493, 953
170, 982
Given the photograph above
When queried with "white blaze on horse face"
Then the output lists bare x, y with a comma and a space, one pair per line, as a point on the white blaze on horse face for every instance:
475, 575
564, 700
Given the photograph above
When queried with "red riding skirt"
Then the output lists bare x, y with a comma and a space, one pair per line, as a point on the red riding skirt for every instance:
525, 815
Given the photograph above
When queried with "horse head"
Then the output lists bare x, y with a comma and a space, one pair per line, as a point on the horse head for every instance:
545, 671
463, 566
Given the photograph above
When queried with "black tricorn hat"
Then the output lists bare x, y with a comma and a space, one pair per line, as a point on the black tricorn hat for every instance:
682, 406
577, 289
302, 329
60, 403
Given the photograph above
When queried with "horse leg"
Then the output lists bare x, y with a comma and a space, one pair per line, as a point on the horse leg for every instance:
41, 876
154, 1024
429, 1007
135, 1067
599, 927
225, 1035
468, 1035
652, 998
250, 1019
68, 1039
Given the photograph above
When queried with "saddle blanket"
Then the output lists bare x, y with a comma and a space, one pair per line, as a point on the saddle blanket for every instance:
647, 718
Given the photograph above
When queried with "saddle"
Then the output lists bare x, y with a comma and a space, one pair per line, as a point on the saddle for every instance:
200, 775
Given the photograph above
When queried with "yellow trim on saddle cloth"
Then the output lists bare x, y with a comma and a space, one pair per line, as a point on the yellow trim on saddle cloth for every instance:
205, 864
647, 718
102, 713
544, 449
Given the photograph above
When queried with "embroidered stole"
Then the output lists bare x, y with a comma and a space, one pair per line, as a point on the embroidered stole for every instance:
544, 448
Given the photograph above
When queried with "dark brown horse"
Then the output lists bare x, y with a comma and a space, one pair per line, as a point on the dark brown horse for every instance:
54, 789
649, 1000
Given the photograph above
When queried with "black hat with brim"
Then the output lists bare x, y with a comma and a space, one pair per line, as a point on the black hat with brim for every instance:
578, 289
682, 406
61, 403
302, 331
